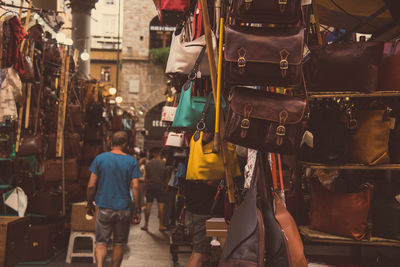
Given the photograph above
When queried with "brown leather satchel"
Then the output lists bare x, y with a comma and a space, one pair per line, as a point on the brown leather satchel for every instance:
343, 214
264, 56
370, 142
390, 78
53, 170
345, 67
267, 11
265, 121
72, 146
30, 145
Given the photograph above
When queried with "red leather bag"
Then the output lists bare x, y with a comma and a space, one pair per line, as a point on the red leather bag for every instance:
390, 79
170, 10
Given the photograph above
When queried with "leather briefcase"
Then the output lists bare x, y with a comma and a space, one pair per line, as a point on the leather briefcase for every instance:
390, 79
264, 56
30, 145
267, 11
345, 67
265, 121
53, 170
343, 214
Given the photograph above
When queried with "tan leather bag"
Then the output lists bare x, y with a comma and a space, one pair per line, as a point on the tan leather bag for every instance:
343, 214
370, 141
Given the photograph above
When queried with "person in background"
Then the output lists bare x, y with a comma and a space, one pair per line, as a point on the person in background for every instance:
137, 217
112, 175
155, 188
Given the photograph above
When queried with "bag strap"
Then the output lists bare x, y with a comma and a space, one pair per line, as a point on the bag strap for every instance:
201, 125
196, 66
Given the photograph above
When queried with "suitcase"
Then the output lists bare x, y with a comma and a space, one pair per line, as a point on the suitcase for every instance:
45, 203
41, 242
14, 236
53, 170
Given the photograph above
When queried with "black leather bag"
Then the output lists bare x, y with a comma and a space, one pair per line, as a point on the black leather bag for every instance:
266, 121
255, 238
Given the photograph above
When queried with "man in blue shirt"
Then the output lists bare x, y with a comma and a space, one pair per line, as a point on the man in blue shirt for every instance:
112, 175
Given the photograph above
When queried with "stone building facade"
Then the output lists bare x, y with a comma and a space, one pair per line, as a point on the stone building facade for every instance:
143, 83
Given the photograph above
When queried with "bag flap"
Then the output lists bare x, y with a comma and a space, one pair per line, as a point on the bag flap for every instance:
242, 224
267, 106
267, 45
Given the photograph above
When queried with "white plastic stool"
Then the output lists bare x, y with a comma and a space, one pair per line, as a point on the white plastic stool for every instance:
71, 253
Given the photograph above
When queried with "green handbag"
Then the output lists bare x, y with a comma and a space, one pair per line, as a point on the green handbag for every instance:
188, 112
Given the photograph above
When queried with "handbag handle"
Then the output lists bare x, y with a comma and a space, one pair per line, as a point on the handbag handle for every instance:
201, 125
196, 66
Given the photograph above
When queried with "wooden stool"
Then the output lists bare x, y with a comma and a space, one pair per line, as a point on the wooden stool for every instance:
72, 238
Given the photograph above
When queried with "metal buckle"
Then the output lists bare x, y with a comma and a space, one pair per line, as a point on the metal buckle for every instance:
201, 126
284, 64
281, 130
282, 2
241, 62
245, 124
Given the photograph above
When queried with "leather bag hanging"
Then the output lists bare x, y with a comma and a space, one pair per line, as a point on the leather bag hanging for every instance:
370, 141
170, 10
254, 236
345, 67
30, 145
175, 139
263, 56
390, 79
184, 53
342, 214
267, 11
265, 121
168, 113
190, 108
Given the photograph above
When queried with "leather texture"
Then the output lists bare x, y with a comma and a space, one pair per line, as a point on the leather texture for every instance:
267, 11
205, 165
370, 142
342, 214
294, 243
174, 5
390, 79
263, 56
30, 145
345, 67
90, 151
72, 147
183, 54
53, 170
190, 107
263, 120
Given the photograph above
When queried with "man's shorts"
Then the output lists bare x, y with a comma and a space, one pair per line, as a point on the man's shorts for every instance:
112, 221
196, 224
155, 191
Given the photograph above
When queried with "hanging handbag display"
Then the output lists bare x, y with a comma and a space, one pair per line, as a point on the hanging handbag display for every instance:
168, 113
345, 67
53, 170
370, 141
342, 214
254, 237
263, 56
30, 145
190, 108
170, 10
203, 163
175, 139
390, 79
184, 53
265, 121
267, 11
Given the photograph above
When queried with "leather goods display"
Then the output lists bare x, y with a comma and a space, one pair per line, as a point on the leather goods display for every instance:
53, 170
91, 150
205, 165
386, 218
41, 242
254, 237
189, 109
267, 11
263, 120
394, 138
175, 139
30, 145
345, 67
343, 214
370, 141
165, 8
72, 146
183, 54
168, 113
45, 203
93, 133
75, 114
390, 79
263, 56
27, 73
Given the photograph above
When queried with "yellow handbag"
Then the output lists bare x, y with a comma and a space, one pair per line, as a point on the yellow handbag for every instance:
205, 165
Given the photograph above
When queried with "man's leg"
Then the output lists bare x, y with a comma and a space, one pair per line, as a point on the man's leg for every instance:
161, 216
101, 252
118, 253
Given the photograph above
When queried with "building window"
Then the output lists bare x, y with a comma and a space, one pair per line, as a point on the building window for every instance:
105, 74
109, 24
109, 2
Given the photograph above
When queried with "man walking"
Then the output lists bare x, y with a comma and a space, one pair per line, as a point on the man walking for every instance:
155, 188
112, 175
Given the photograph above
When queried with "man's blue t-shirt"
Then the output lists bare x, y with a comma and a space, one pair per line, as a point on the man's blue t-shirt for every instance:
115, 173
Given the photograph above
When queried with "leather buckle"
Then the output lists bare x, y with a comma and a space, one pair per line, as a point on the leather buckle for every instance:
201, 125
245, 124
284, 64
241, 62
280, 130
247, 4
282, 5
241, 59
